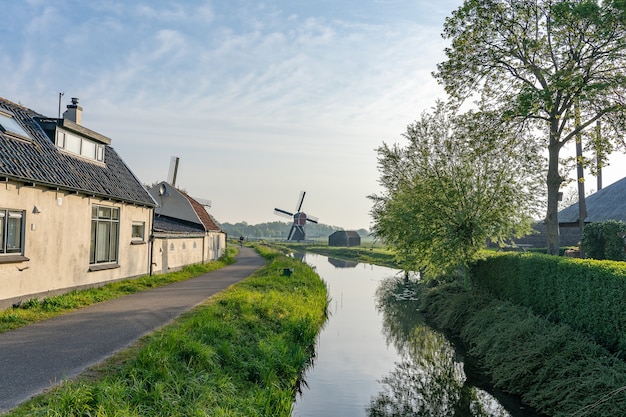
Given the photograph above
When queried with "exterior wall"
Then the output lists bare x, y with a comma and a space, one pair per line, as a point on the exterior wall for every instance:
57, 243
173, 252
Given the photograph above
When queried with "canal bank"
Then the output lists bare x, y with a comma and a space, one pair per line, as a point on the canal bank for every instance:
376, 355
554, 369
239, 354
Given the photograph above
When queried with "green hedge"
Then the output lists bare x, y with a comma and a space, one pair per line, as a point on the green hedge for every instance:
589, 295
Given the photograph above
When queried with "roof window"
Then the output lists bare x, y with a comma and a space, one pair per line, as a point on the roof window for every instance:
9, 125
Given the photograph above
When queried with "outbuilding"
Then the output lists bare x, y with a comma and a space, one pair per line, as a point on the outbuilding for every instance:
344, 238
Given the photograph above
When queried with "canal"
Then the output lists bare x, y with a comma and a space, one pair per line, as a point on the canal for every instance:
376, 357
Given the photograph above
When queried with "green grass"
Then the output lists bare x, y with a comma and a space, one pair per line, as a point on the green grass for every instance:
34, 310
241, 353
553, 368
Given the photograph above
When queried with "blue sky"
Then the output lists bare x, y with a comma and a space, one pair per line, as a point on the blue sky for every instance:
259, 99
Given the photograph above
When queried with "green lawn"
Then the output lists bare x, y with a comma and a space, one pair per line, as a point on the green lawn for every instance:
239, 354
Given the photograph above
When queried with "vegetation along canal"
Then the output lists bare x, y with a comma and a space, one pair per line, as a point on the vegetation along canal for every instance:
377, 357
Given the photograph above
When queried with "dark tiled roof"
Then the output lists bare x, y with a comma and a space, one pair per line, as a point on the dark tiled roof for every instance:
171, 225
41, 162
607, 204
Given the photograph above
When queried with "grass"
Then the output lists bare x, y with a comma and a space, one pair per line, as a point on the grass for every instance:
241, 353
34, 310
553, 368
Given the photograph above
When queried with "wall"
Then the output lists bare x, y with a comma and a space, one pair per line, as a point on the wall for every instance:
172, 252
57, 243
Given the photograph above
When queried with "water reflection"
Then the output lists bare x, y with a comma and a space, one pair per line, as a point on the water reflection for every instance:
428, 379
340, 263
376, 356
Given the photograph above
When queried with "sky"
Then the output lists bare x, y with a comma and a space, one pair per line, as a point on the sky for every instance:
259, 100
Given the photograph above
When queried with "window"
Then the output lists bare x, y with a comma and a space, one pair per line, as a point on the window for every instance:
79, 145
9, 125
138, 231
105, 226
11, 231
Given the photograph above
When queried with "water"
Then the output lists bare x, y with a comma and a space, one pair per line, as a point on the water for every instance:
376, 357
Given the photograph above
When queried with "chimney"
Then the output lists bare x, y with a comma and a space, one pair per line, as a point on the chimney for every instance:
74, 112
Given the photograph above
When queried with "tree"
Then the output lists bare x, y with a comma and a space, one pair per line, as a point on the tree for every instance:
534, 59
462, 179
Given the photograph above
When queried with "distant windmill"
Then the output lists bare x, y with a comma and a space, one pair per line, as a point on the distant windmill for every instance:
173, 172
171, 179
296, 233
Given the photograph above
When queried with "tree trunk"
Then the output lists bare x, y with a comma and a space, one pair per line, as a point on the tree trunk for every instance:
598, 156
553, 181
580, 177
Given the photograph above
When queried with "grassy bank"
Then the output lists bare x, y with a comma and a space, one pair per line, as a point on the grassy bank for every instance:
34, 310
553, 368
239, 354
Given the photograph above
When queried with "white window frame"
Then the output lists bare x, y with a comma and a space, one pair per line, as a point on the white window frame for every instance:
86, 148
138, 232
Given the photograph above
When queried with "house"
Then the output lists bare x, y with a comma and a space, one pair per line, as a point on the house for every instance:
184, 232
608, 203
344, 238
72, 214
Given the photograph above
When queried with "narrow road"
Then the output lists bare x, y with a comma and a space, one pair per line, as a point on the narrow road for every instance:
42, 355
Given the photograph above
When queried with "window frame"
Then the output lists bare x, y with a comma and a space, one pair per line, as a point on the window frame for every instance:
13, 127
138, 237
18, 232
64, 140
101, 223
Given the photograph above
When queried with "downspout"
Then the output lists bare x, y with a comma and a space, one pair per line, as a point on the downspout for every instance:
151, 251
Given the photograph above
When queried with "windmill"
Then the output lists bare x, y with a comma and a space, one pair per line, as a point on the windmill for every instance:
296, 233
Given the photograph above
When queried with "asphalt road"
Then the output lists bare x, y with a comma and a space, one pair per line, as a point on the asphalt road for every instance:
42, 355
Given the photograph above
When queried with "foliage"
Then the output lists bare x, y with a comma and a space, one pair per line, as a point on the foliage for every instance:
534, 61
554, 369
462, 179
34, 310
280, 230
240, 354
371, 255
604, 240
588, 295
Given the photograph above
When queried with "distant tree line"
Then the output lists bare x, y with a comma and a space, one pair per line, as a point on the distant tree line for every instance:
280, 230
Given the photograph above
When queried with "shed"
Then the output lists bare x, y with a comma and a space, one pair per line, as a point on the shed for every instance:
344, 238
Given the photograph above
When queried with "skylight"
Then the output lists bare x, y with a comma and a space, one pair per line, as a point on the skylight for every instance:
9, 125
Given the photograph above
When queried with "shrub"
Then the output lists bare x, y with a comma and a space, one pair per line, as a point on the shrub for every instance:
604, 240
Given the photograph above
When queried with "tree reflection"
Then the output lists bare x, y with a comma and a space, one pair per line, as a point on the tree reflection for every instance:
429, 379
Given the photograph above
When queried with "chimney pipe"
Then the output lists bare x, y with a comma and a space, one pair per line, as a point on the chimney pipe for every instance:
74, 112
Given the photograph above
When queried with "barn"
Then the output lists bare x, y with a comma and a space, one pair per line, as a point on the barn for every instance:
344, 238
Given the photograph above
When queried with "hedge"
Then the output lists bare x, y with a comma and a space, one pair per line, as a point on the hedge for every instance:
589, 295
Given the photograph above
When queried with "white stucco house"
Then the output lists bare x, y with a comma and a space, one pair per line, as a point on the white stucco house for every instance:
184, 232
72, 214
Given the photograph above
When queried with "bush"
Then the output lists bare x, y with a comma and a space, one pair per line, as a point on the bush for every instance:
589, 295
604, 240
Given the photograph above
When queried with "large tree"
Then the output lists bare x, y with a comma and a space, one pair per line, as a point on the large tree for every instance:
535, 59
460, 180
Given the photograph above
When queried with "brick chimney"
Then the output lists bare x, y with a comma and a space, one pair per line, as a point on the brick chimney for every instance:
74, 112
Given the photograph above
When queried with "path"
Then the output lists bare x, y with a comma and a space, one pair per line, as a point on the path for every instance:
39, 356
